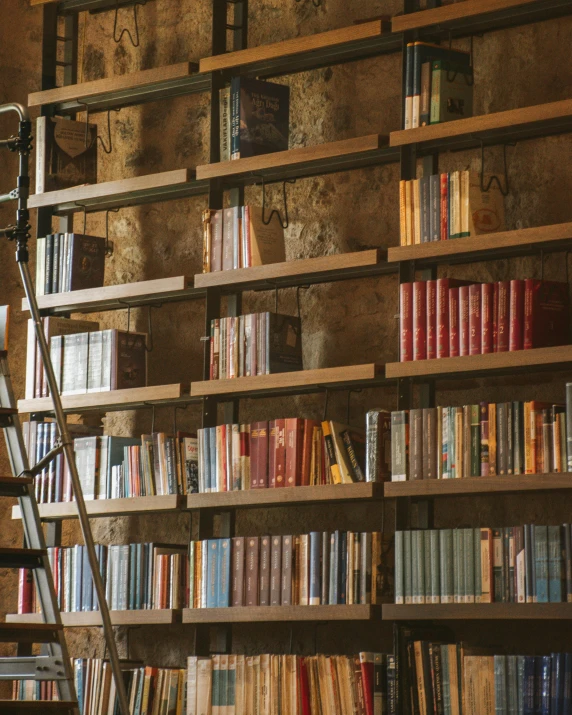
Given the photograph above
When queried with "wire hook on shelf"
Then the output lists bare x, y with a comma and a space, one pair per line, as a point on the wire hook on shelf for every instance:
350, 392
108, 244
149, 346
83, 207
315, 3
284, 223
125, 30
494, 178
109, 148
149, 404
298, 289
175, 408
325, 414
128, 306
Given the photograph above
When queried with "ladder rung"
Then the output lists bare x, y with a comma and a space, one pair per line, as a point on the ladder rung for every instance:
33, 707
29, 633
8, 411
21, 558
14, 486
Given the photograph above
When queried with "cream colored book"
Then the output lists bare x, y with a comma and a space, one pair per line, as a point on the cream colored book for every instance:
408, 213
416, 204
402, 214
204, 686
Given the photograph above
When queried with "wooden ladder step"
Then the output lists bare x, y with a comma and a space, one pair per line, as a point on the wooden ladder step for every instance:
35, 707
21, 558
14, 486
29, 633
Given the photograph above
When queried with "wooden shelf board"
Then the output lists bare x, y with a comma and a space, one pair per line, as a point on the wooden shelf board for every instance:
340, 266
14, 486
292, 382
29, 707
513, 124
167, 185
540, 358
289, 495
489, 246
478, 611
118, 297
309, 52
107, 507
478, 485
114, 400
250, 614
69, 7
303, 161
124, 90
84, 619
28, 631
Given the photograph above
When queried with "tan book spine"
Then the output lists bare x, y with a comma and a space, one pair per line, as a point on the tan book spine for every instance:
416, 205
486, 565
409, 213
493, 439
402, 214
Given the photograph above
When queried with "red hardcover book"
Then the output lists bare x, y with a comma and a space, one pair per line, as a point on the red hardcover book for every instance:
464, 320
304, 688
419, 320
280, 453
453, 322
406, 322
308, 433
431, 301
503, 316
475, 319
444, 207
487, 317
516, 316
26, 591
495, 317
294, 436
272, 453
443, 286
366, 662
546, 314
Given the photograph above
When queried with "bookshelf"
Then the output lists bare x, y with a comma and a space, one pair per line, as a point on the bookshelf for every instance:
90, 619
269, 614
431, 488
478, 611
108, 507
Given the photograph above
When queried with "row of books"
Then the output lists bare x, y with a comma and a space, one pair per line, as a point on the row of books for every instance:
438, 84
69, 261
520, 564
151, 691
314, 685
238, 237
255, 344
484, 440
439, 207
451, 318
136, 576
453, 679
279, 453
313, 569
254, 118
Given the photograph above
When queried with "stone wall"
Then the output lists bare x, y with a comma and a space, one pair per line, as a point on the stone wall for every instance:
344, 323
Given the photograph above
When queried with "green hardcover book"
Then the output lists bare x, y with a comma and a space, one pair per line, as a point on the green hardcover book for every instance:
428, 573
451, 456
399, 568
445, 680
498, 581
451, 91
435, 567
512, 684
477, 558
510, 438
419, 556
469, 562
460, 566
447, 570
407, 568
500, 685
475, 441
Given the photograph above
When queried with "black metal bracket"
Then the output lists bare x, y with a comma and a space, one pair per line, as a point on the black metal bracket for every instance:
125, 31
284, 223
494, 178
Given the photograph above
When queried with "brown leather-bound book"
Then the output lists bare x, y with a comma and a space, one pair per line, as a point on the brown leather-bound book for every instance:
406, 322
463, 320
416, 439
238, 571
487, 301
516, 316
419, 320
86, 257
259, 455
503, 316
287, 553
272, 453
454, 327
265, 568
280, 453
475, 319
431, 319
276, 571
307, 443
546, 314
129, 360
251, 575
293, 438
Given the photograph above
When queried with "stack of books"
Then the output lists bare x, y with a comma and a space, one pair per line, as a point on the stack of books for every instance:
483, 440
445, 206
520, 564
255, 344
289, 683
438, 84
237, 237
313, 569
254, 118
279, 453
451, 318
69, 261
136, 576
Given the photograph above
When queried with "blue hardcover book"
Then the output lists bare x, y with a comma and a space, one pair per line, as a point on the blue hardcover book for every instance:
212, 451
79, 682
511, 685
567, 685
87, 589
78, 562
223, 576
334, 568
556, 683
544, 674
541, 562
212, 572
408, 93
425, 207
343, 560
555, 564
528, 686
315, 570
501, 698
435, 207
529, 585
206, 458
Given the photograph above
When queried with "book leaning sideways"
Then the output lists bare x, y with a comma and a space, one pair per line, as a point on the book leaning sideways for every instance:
66, 154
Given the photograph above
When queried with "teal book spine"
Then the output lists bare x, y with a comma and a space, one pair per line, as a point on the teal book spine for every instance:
541, 563
407, 567
555, 564
500, 685
399, 569
469, 564
415, 567
512, 684
447, 565
420, 563
446, 680
477, 559
435, 568
212, 570
223, 575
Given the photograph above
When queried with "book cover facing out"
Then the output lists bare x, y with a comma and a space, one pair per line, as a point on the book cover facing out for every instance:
66, 154
260, 117
87, 261
284, 343
131, 360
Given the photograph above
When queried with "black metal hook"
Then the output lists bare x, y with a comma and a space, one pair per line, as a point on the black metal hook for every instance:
98, 137
283, 223
128, 306
125, 30
84, 208
326, 404
175, 408
494, 178
108, 243
148, 404
350, 392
